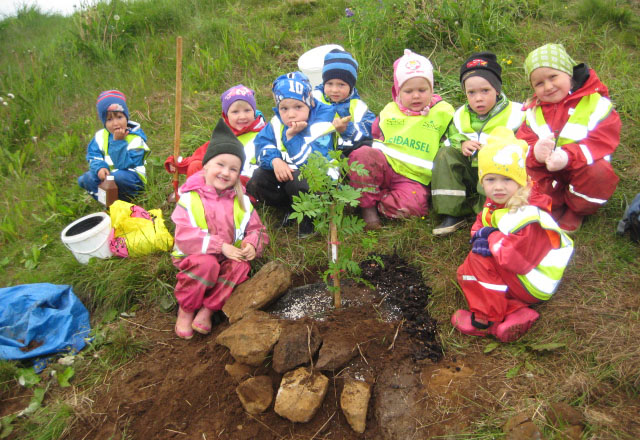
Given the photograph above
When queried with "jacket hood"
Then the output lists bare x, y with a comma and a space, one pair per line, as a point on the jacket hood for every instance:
134, 128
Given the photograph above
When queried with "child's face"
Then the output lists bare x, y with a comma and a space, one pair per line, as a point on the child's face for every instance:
115, 121
550, 85
499, 188
291, 110
240, 114
336, 90
415, 94
481, 95
222, 171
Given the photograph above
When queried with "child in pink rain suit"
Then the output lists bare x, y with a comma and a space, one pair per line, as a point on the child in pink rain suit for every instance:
217, 233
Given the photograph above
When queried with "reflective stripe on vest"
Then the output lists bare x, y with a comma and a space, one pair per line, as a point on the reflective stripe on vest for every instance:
317, 130
192, 202
411, 142
250, 164
590, 111
134, 142
543, 280
511, 117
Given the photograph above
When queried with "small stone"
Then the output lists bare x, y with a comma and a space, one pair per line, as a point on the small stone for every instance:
256, 394
292, 349
238, 372
524, 431
354, 402
562, 414
300, 395
515, 421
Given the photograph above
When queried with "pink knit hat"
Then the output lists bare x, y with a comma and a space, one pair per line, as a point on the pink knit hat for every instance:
410, 65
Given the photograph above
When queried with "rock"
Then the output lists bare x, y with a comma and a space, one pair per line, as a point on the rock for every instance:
238, 372
255, 394
271, 281
515, 421
573, 432
335, 353
354, 402
293, 346
524, 431
250, 340
561, 414
396, 402
300, 395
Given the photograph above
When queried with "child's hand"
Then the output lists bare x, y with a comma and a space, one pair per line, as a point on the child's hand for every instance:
120, 133
557, 160
103, 173
341, 123
282, 171
232, 252
248, 251
296, 127
543, 148
470, 147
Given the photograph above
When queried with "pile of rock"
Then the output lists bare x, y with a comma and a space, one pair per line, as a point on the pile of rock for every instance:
254, 335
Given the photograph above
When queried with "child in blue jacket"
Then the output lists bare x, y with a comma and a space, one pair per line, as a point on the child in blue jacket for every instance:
118, 149
302, 125
353, 118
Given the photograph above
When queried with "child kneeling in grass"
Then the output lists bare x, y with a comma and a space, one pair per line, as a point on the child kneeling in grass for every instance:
302, 125
519, 253
410, 130
572, 129
118, 149
217, 233
455, 189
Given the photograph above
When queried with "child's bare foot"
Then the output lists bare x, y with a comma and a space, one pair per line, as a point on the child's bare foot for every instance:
183, 324
202, 321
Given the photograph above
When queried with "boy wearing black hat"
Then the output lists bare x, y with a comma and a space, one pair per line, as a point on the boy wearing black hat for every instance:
454, 187
353, 118
217, 233
118, 149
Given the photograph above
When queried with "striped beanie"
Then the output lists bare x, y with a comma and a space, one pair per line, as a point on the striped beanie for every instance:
111, 101
339, 64
550, 55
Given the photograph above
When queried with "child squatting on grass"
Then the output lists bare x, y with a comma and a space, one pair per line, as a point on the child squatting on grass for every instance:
243, 118
353, 118
217, 233
118, 149
301, 126
455, 188
572, 129
518, 252
410, 129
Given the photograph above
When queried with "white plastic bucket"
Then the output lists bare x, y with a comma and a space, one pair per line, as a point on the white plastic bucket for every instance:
311, 62
88, 237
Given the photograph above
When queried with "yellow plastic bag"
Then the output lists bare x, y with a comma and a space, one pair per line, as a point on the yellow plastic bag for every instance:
136, 231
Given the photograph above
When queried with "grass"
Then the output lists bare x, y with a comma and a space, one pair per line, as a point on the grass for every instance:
45, 126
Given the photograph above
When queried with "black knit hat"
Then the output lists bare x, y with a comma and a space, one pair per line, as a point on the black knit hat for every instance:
339, 64
223, 141
484, 65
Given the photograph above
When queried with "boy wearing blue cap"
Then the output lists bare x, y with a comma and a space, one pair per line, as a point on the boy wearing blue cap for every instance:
301, 126
353, 118
118, 149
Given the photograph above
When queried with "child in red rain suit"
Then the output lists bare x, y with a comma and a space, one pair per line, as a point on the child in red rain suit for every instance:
519, 252
217, 233
572, 129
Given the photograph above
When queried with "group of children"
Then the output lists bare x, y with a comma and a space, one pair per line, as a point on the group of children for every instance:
529, 173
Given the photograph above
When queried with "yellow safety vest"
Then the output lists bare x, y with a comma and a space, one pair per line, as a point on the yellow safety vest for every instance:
511, 117
250, 164
589, 112
192, 202
411, 142
133, 142
543, 280
357, 110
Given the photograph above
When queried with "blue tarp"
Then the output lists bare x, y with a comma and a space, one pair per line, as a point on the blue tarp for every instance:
39, 320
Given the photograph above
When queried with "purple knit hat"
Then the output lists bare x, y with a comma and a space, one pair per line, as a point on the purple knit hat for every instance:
111, 101
236, 93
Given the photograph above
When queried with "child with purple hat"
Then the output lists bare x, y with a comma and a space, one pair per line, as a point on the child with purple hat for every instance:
119, 149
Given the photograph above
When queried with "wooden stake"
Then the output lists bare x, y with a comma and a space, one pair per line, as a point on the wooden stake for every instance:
333, 240
176, 136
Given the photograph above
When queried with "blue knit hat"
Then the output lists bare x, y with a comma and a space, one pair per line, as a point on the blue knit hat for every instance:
111, 101
293, 85
339, 64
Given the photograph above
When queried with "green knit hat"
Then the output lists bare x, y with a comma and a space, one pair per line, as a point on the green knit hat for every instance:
550, 55
223, 141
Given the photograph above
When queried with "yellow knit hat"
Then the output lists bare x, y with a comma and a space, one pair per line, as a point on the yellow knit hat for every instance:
504, 155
